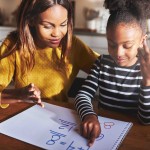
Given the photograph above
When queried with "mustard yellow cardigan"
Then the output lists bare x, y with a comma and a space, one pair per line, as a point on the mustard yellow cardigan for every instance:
54, 84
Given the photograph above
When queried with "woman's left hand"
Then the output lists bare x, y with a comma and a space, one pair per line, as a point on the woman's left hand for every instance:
144, 55
31, 93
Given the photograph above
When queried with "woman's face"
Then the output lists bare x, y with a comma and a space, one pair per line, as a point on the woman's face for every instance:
123, 43
51, 27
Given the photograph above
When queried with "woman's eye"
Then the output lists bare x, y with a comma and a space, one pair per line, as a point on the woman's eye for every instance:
47, 26
63, 25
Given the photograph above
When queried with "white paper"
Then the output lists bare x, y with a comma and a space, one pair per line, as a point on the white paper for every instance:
57, 128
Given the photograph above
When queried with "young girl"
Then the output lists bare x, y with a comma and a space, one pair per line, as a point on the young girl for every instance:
123, 76
41, 56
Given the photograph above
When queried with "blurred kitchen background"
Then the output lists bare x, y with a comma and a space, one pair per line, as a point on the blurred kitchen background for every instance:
88, 14
90, 18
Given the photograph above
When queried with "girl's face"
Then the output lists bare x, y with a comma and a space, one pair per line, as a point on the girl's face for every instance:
51, 27
123, 43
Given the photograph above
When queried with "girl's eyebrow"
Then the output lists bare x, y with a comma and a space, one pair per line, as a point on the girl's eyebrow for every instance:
42, 21
132, 41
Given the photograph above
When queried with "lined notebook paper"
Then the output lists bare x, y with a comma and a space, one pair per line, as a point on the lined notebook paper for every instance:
57, 128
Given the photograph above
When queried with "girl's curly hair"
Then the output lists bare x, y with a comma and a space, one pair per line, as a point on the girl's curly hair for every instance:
128, 11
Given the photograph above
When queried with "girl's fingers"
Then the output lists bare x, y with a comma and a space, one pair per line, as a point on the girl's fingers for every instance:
141, 52
92, 137
145, 51
84, 130
146, 48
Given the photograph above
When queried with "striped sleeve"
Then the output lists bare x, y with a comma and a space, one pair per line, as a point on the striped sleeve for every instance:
86, 93
144, 105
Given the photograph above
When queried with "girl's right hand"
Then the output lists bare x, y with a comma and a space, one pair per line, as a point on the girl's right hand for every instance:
90, 128
31, 93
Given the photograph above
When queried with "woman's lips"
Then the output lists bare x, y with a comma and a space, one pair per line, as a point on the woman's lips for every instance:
56, 41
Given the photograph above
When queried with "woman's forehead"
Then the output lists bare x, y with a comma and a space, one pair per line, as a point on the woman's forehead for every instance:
56, 12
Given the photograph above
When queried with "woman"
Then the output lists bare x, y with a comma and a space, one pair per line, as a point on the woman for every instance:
41, 56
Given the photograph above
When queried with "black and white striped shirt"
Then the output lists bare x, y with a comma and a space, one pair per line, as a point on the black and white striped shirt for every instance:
119, 89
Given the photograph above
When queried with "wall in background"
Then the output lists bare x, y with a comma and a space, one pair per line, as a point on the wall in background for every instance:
8, 7
97, 5
8, 12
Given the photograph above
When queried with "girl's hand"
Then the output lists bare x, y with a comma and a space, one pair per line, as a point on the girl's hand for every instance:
90, 128
31, 93
144, 55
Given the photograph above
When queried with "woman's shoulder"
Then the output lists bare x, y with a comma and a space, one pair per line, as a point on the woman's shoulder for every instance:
8, 42
77, 41
11, 38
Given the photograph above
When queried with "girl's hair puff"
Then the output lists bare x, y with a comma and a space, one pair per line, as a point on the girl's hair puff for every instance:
128, 11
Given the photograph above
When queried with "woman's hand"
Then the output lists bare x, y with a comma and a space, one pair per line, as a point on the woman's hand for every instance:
90, 128
31, 93
28, 94
144, 55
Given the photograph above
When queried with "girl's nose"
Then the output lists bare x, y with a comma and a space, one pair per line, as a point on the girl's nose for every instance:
119, 51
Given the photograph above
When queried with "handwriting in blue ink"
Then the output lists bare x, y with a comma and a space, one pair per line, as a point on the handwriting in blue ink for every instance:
71, 147
67, 124
101, 136
55, 137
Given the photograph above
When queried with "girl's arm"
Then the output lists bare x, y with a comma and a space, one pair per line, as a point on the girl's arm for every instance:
87, 92
90, 127
144, 101
144, 105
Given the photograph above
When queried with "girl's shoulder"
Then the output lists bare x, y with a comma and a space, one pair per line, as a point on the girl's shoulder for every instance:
105, 57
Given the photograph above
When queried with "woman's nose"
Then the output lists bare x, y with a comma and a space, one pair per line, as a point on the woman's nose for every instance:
55, 32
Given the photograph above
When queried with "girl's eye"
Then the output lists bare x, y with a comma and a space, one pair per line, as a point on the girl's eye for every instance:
127, 46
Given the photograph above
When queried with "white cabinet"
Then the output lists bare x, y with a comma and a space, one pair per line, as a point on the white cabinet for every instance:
97, 43
4, 31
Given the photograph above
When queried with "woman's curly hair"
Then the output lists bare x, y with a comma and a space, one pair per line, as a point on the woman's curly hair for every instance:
128, 11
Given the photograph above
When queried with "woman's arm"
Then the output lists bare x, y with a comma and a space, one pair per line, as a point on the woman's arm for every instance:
29, 94
84, 56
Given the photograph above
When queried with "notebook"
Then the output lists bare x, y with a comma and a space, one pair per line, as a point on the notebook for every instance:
58, 128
